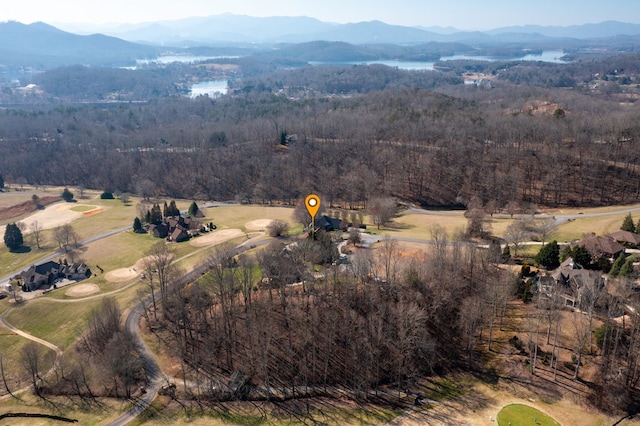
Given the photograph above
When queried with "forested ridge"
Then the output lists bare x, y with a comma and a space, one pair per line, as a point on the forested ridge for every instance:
363, 130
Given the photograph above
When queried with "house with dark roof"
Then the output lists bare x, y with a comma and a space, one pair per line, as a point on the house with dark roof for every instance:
571, 280
173, 228
625, 238
46, 273
599, 247
328, 224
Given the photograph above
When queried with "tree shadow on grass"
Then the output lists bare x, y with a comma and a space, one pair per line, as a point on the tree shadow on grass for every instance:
22, 250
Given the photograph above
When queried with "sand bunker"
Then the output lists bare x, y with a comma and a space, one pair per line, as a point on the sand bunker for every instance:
258, 225
216, 237
81, 290
123, 274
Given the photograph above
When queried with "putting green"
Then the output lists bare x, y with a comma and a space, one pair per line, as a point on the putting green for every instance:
520, 415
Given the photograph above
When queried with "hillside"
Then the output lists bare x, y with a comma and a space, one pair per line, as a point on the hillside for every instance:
43, 46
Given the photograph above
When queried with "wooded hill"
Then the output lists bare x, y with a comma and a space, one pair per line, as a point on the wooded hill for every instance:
363, 130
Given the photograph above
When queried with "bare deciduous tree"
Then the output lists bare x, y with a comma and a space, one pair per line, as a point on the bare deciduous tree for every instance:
65, 236
278, 228
382, 210
515, 234
159, 261
36, 232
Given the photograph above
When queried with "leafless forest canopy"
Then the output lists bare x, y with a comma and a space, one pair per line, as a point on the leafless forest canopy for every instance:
550, 134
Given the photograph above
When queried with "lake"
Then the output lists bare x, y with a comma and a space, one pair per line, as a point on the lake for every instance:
185, 59
552, 56
219, 87
212, 88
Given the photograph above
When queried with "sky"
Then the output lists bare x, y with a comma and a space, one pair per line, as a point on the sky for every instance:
460, 14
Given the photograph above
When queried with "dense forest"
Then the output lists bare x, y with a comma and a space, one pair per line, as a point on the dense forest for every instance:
422, 136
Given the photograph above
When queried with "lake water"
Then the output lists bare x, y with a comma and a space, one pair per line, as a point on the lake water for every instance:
552, 56
216, 88
185, 59
211, 88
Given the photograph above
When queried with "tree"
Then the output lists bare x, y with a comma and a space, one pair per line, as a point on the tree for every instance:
65, 236
67, 195
627, 268
172, 210
137, 226
549, 255
355, 236
1, 182
155, 217
36, 232
515, 234
617, 264
34, 199
159, 261
581, 256
278, 228
382, 210
193, 209
125, 198
543, 228
13, 237
627, 224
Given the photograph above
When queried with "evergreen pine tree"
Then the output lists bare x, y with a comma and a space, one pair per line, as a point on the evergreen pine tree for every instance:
549, 255
13, 237
627, 268
173, 210
627, 224
156, 215
615, 268
137, 225
193, 209
581, 256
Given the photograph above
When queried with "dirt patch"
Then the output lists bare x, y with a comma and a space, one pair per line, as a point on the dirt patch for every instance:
258, 225
92, 212
82, 290
122, 274
216, 237
26, 207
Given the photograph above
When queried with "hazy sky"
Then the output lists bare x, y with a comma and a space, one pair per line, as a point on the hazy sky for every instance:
462, 14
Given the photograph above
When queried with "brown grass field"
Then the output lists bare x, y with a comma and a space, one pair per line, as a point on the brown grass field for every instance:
472, 403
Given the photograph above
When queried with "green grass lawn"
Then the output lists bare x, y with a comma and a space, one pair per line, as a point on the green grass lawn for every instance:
600, 225
520, 415
58, 323
231, 217
82, 208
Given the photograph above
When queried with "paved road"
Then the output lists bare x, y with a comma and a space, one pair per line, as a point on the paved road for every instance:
155, 379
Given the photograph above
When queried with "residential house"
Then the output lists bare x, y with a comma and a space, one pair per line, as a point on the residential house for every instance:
174, 228
328, 224
626, 238
571, 280
599, 247
45, 274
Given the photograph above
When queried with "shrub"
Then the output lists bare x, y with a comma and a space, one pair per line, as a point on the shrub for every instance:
107, 196
278, 228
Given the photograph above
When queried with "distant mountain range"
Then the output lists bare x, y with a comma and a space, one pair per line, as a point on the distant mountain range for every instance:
42, 46
246, 29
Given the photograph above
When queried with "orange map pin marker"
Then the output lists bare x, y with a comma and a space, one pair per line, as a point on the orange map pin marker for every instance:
312, 203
